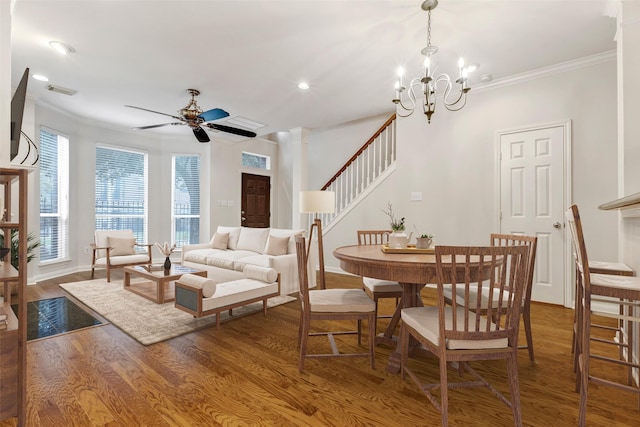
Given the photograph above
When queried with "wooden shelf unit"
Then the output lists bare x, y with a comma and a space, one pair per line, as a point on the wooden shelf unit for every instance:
13, 339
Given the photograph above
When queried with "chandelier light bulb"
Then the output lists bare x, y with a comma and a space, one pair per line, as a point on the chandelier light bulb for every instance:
460, 62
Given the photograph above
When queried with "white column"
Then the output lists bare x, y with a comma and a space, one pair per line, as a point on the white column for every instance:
299, 173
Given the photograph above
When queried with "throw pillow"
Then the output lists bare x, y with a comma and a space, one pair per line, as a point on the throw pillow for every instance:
220, 240
234, 234
277, 245
121, 246
268, 275
208, 286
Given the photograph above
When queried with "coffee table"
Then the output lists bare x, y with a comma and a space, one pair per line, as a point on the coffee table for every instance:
159, 286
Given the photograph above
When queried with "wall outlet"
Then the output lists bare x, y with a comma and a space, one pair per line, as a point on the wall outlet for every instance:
87, 250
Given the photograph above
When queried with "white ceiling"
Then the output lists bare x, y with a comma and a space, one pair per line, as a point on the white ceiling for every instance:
248, 56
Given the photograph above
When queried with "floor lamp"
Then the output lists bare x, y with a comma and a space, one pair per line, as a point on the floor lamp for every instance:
317, 202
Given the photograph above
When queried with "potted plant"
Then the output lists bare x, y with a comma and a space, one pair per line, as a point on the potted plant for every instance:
32, 245
424, 241
397, 239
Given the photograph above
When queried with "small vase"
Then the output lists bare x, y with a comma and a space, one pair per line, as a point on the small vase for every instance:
423, 242
167, 263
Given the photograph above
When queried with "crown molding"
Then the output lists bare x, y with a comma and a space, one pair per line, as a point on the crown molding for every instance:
563, 67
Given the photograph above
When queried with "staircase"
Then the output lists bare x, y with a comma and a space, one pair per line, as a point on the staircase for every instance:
373, 162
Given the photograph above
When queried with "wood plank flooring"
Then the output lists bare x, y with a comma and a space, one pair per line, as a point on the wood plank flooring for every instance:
246, 374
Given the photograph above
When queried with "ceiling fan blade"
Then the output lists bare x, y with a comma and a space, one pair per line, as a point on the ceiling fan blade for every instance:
229, 129
213, 114
201, 135
157, 126
151, 111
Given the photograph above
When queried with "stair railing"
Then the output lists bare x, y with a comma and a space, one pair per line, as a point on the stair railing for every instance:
362, 170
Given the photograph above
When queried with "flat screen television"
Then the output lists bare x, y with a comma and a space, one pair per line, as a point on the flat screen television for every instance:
17, 110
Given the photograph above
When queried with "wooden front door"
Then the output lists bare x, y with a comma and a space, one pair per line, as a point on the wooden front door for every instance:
256, 201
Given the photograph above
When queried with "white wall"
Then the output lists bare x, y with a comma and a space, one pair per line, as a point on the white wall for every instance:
83, 139
452, 161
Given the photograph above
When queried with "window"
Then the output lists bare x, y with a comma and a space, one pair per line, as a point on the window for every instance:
54, 196
121, 191
185, 221
256, 161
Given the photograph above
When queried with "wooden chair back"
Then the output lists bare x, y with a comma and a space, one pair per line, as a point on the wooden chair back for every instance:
373, 237
505, 267
303, 277
531, 242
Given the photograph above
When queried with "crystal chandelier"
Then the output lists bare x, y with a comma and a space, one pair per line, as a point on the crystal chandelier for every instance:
453, 99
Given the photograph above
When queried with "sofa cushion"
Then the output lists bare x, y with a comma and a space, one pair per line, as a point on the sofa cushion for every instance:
234, 234
259, 260
284, 232
200, 255
121, 245
218, 262
237, 291
277, 245
253, 239
220, 241
124, 259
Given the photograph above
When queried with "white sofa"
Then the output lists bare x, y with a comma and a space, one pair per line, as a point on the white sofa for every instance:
231, 248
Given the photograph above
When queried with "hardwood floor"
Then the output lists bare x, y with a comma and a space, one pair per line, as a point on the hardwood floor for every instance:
246, 374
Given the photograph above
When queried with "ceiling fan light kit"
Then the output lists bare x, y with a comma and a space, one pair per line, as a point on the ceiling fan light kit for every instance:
193, 116
432, 85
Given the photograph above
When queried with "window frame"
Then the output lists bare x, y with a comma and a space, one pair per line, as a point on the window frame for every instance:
62, 196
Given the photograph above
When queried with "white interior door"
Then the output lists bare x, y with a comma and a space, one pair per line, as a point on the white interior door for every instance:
533, 186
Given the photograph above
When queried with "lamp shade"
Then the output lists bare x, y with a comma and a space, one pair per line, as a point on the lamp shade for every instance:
317, 201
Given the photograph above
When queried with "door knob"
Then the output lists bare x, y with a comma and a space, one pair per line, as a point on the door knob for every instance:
557, 225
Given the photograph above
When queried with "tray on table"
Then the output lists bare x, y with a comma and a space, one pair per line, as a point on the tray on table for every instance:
410, 249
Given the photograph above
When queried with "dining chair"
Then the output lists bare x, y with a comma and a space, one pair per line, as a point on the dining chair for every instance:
331, 304
531, 243
625, 291
602, 267
459, 333
378, 288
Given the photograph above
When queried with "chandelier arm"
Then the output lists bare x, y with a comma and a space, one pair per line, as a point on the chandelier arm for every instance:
412, 99
464, 102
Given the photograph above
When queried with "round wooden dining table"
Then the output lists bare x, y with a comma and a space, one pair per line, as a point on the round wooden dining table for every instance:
412, 270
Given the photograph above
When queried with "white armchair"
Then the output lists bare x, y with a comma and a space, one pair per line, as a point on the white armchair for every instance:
117, 249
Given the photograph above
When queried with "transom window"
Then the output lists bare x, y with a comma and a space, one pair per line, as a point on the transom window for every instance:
256, 161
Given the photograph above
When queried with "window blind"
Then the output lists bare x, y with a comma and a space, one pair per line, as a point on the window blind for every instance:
185, 198
121, 191
54, 196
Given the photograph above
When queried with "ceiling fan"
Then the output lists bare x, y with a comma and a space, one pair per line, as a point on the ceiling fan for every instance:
193, 116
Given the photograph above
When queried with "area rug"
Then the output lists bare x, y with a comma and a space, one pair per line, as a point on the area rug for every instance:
144, 320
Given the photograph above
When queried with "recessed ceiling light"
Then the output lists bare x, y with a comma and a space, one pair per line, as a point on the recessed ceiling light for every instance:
61, 48
486, 78
40, 77
303, 85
